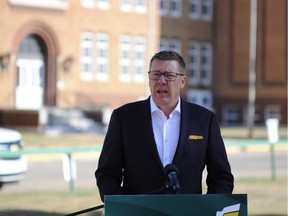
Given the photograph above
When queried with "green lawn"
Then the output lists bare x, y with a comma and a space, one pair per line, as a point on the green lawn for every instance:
39, 140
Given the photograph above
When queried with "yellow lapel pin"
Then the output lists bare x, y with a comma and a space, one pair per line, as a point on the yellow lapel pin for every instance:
195, 137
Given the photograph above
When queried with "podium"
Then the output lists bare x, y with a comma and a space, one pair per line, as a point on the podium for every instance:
176, 205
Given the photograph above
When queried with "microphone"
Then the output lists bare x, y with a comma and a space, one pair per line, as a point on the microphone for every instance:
171, 173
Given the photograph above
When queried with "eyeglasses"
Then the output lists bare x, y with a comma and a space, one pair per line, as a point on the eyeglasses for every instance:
168, 76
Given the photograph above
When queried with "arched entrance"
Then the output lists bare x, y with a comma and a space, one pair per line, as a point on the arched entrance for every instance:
36, 47
30, 88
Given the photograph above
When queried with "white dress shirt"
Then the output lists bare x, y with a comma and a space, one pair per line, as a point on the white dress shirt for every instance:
166, 131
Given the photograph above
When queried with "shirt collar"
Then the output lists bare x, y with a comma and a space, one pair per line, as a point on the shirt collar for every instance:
154, 107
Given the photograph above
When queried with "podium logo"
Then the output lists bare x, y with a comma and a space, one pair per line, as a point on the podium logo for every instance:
232, 210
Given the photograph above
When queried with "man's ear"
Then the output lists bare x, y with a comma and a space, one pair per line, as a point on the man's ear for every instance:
183, 81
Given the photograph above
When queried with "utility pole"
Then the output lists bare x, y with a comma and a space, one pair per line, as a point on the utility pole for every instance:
252, 68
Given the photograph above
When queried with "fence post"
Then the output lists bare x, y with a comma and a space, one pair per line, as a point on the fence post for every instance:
273, 137
72, 188
69, 170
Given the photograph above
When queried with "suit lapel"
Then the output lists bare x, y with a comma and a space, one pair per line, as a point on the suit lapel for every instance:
145, 123
185, 125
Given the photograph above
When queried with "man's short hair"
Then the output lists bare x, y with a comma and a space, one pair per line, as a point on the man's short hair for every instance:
168, 55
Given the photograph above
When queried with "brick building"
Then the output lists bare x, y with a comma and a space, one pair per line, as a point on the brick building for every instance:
231, 65
93, 54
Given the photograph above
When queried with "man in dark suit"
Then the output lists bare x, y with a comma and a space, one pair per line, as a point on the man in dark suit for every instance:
144, 136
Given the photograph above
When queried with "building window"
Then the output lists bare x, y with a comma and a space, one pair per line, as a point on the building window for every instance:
132, 56
231, 115
61, 5
207, 9
201, 9
206, 63
125, 58
126, 5
200, 63
86, 55
194, 9
94, 56
193, 65
139, 58
164, 44
200, 97
101, 4
170, 8
88, 3
176, 8
256, 116
175, 45
273, 111
140, 6
102, 58
164, 7
170, 44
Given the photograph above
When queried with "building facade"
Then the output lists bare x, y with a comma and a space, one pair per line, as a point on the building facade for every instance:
94, 54
231, 65
75, 53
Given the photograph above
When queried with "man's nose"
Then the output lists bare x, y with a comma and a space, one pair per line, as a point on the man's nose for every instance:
162, 79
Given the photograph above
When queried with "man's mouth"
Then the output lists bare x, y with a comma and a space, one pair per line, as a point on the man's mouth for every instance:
162, 91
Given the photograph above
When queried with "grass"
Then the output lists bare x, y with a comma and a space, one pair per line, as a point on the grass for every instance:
52, 203
265, 198
39, 140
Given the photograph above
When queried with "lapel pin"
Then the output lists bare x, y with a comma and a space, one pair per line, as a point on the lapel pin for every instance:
195, 137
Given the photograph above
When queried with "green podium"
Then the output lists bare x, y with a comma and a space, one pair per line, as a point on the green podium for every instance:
176, 205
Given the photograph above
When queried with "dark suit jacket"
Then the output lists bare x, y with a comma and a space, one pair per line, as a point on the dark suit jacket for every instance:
130, 154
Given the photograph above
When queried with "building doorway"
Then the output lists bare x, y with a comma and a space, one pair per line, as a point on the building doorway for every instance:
30, 74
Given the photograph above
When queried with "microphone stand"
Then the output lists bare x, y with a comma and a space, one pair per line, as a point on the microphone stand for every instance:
161, 190
85, 210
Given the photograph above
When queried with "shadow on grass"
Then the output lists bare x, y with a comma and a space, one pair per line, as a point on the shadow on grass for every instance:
27, 212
